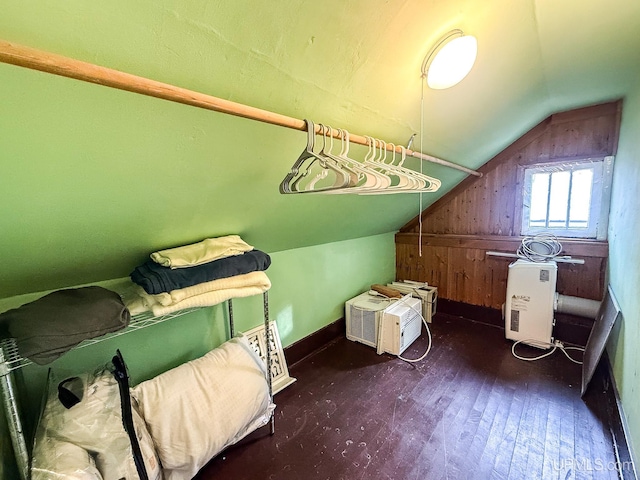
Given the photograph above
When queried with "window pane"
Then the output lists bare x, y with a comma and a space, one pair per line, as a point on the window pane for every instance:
566, 198
580, 198
539, 199
559, 199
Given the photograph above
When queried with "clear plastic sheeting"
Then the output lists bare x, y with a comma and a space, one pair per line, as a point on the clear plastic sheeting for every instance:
568, 199
63, 460
86, 438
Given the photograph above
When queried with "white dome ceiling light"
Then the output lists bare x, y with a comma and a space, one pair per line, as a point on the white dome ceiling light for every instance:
450, 60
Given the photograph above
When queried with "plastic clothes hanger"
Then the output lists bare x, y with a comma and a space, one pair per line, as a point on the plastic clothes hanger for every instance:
306, 155
410, 181
337, 161
371, 179
327, 165
371, 176
406, 181
306, 160
417, 181
383, 181
376, 163
366, 178
430, 184
370, 163
374, 179
423, 183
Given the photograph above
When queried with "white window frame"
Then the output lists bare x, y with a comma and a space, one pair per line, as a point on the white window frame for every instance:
600, 196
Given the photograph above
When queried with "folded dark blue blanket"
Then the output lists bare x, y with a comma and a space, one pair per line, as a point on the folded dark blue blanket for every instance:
155, 278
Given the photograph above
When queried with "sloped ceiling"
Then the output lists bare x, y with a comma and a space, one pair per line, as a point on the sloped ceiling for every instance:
94, 179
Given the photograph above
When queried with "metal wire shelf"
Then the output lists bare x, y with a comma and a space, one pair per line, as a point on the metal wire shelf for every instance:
14, 361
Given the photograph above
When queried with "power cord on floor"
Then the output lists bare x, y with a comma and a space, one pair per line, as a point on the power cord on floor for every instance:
426, 326
554, 346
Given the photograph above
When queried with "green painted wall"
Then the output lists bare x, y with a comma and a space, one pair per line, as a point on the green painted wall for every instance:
309, 288
624, 261
94, 178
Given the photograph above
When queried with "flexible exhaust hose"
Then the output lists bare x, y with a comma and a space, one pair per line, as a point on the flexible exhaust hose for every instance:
581, 307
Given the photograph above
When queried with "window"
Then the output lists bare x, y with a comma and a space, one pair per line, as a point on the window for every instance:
568, 199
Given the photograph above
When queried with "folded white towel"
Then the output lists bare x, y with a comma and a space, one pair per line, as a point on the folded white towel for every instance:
203, 294
205, 251
208, 299
137, 305
252, 279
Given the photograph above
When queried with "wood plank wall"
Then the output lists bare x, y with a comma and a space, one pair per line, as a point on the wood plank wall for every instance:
484, 214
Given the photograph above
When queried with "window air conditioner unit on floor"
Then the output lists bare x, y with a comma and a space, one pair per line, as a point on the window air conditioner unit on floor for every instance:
390, 325
428, 294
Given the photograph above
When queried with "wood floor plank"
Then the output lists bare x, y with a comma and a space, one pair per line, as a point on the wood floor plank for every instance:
582, 444
496, 423
524, 435
439, 454
430, 397
457, 435
551, 463
504, 454
567, 434
536, 442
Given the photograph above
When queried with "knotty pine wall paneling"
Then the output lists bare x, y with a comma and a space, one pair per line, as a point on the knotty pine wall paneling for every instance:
483, 214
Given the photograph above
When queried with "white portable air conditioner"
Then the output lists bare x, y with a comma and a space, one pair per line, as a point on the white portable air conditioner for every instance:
389, 325
529, 306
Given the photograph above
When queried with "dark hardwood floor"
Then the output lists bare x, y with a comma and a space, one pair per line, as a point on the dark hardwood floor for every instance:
468, 410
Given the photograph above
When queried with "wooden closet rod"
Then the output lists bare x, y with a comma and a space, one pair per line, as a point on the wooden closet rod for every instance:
87, 72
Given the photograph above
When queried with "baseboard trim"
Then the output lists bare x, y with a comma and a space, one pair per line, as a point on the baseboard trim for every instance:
312, 342
568, 328
487, 315
624, 450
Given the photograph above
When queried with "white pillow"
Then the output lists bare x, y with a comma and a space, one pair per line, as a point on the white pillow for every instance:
198, 408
